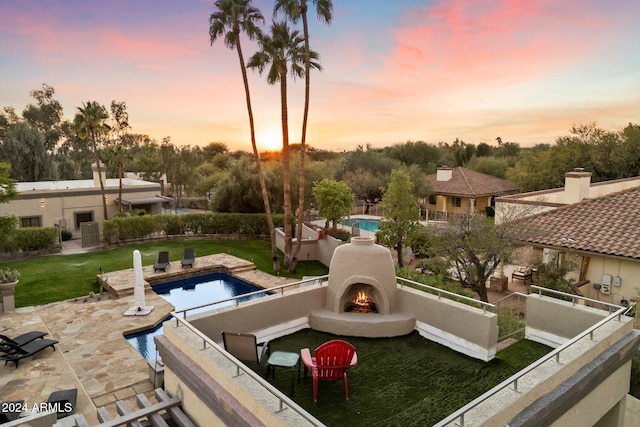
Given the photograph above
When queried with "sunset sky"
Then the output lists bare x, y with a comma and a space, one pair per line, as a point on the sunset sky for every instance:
393, 70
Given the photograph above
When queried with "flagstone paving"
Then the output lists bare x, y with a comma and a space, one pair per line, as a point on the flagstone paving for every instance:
92, 354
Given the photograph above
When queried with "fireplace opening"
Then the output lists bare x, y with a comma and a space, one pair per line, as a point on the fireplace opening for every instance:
360, 298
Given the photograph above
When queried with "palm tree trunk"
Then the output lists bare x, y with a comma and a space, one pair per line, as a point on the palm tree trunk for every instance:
263, 186
120, 186
104, 196
303, 140
286, 175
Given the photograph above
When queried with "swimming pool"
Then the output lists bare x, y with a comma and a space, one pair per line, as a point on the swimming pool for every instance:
188, 293
364, 224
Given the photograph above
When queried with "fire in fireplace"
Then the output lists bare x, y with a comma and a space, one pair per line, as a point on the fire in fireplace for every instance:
360, 300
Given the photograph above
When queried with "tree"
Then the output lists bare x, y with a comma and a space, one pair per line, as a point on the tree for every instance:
89, 122
295, 10
46, 116
473, 247
282, 52
7, 185
366, 186
116, 156
24, 147
232, 17
334, 200
401, 213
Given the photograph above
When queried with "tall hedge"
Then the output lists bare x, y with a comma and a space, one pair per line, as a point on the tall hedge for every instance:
137, 227
30, 239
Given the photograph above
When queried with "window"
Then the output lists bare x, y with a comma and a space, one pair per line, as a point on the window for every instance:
83, 217
456, 201
30, 221
432, 199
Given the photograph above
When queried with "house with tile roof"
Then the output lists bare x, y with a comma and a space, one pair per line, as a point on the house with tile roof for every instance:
596, 223
460, 190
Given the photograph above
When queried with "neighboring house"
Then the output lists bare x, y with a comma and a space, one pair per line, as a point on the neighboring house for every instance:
68, 204
459, 190
577, 187
603, 231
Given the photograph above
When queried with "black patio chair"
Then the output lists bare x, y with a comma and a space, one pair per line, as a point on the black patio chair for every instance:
163, 261
17, 353
21, 339
189, 258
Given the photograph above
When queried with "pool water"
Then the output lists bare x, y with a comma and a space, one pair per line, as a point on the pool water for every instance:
364, 224
188, 293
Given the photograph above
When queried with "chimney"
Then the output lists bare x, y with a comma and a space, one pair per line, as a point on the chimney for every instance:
444, 173
96, 179
576, 185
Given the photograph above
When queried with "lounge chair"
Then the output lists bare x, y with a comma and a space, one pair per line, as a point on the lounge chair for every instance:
16, 353
189, 258
63, 402
20, 339
10, 410
163, 261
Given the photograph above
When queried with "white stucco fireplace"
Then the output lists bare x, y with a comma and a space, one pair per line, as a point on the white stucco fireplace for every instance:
362, 294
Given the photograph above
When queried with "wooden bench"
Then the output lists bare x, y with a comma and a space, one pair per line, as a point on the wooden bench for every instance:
524, 274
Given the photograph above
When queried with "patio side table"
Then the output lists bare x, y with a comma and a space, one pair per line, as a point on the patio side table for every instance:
284, 359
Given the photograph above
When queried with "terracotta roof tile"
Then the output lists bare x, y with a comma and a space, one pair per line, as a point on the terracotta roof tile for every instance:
469, 183
607, 225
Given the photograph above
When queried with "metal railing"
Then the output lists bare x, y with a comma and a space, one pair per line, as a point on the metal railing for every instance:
449, 295
271, 291
573, 298
512, 381
280, 397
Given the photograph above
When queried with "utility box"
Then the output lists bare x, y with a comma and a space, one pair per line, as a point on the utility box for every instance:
617, 281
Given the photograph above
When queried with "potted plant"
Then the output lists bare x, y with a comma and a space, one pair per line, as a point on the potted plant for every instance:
8, 277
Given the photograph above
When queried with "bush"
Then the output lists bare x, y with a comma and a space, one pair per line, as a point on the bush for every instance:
65, 235
124, 228
30, 239
338, 233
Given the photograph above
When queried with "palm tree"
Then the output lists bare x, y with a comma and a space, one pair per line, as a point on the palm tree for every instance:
115, 156
89, 121
283, 52
232, 17
295, 9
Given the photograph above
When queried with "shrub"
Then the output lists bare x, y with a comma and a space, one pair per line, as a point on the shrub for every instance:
136, 227
65, 235
8, 275
30, 239
338, 233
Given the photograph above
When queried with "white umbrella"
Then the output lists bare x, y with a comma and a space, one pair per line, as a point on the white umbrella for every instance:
139, 308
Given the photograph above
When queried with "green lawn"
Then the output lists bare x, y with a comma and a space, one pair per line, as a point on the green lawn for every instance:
60, 277
402, 381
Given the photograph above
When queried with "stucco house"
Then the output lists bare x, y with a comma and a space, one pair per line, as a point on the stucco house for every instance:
68, 204
460, 190
599, 223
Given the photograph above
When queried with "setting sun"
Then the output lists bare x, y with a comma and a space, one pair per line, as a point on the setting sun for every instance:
269, 140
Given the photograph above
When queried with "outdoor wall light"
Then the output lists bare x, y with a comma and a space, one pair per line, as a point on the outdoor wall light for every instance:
42, 203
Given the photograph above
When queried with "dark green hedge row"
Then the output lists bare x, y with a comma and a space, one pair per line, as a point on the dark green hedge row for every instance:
138, 227
30, 239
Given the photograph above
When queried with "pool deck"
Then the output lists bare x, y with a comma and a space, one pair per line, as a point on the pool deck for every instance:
92, 354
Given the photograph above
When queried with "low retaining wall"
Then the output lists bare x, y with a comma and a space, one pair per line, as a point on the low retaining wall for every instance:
468, 330
544, 327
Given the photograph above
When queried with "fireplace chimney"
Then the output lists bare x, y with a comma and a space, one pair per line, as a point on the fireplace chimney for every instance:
576, 185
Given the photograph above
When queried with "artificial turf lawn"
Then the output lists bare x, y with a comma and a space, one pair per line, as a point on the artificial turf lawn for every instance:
60, 277
402, 381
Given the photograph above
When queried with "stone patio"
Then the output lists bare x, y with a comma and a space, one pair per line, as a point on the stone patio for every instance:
93, 355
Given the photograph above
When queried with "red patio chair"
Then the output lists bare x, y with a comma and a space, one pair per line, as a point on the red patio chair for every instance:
330, 363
